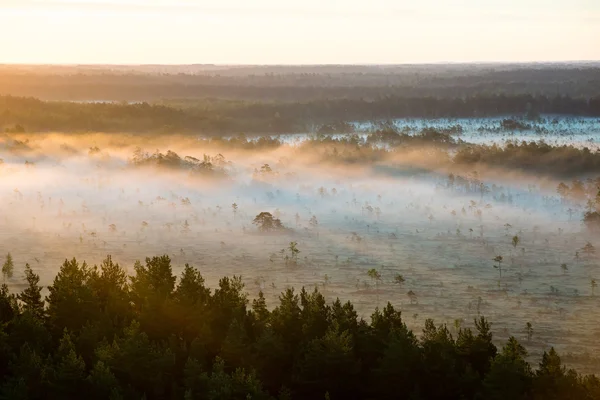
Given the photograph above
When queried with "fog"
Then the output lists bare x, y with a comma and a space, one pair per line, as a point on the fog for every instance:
83, 196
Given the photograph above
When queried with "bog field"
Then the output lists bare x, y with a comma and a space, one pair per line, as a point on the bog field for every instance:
362, 221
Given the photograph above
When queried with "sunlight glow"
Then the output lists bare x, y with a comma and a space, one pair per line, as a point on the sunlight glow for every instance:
297, 32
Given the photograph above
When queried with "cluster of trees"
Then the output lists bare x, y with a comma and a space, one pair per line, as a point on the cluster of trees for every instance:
243, 142
224, 116
105, 335
208, 166
390, 135
348, 149
580, 190
535, 157
510, 124
472, 183
266, 222
540, 157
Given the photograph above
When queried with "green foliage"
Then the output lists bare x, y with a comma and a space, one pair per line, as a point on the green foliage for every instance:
31, 297
515, 241
154, 337
267, 223
398, 368
374, 275
68, 375
29, 376
103, 383
529, 330
71, 302
190, 289
565, 160
327, 364
8, 267
294, 250
220, 385
8, 305
212, 167
154, 281
510, 375
138, 362
109, 283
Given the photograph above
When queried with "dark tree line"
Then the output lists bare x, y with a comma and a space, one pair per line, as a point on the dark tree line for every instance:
221, 116
100, 334
539, 157
297, 83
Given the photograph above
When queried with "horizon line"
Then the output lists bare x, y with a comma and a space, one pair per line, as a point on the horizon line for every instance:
499, 62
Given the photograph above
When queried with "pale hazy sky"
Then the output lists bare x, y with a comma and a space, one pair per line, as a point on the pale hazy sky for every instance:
297, 31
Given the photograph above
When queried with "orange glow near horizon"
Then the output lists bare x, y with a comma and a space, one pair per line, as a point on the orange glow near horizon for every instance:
297, 32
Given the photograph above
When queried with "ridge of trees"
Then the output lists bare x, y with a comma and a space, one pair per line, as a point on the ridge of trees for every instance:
104, 334
297, 83
224, 116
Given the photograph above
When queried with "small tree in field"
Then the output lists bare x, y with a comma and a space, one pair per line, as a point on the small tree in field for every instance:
591, 219
326, 281
529, 331
589, 249
498, 259
8, 267
234, 207
293, 248
564, 268
515, 241
399, 279
375, 276
267, 223
412, 296
594, 285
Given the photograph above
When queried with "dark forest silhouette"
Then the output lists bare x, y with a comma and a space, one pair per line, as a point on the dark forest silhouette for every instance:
154, 336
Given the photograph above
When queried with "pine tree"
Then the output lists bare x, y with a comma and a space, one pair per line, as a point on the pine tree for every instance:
8, 305
510, 376
8, 267
31, 297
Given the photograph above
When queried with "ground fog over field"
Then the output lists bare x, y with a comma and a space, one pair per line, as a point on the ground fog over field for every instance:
431, 239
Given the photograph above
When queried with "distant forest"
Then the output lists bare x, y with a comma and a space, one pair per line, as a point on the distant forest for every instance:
254, 99
298, 83
232, 117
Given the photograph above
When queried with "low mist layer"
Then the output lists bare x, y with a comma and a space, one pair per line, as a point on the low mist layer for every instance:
411, 226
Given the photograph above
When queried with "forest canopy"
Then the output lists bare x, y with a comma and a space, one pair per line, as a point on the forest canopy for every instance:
299, 83
157, 336
273, 117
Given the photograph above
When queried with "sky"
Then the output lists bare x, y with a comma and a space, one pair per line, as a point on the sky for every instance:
297, 31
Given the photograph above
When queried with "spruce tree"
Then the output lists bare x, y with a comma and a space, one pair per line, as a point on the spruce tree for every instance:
31, 297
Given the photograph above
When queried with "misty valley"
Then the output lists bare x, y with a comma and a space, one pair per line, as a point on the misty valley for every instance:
298, 200
445, 219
